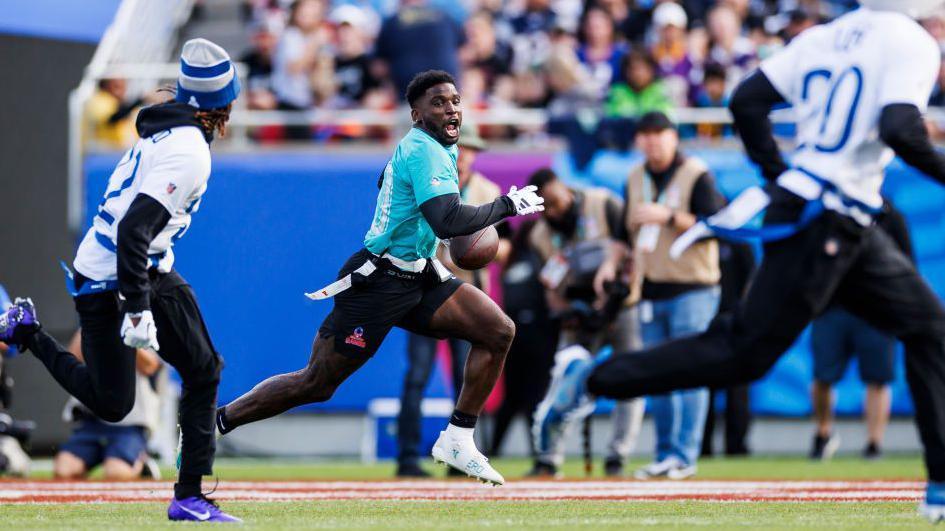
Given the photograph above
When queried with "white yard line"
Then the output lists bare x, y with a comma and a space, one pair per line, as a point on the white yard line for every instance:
809, 491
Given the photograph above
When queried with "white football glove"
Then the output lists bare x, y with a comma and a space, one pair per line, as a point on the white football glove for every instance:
526, 201
142, 335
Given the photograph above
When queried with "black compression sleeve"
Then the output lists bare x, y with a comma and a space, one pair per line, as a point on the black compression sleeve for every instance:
752, 101
449, 217
902, 128
142, 223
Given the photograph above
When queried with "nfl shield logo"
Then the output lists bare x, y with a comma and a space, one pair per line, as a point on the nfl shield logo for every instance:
171, 187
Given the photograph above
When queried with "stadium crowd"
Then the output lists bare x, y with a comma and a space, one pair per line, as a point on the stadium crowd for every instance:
624, 57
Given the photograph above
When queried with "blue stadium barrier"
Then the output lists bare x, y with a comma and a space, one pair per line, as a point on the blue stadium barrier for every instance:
274, 225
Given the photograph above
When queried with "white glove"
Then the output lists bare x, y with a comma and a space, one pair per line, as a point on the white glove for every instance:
142, 335
526, 201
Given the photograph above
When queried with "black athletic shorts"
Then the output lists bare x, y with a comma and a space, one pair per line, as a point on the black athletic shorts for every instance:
364, 313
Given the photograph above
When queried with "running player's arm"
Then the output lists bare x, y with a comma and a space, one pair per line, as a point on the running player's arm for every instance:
911, 69
902, 128
145, 219
750, 105
449, 217
432, 176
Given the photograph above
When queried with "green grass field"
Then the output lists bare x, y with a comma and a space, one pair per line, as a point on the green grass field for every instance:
357, 514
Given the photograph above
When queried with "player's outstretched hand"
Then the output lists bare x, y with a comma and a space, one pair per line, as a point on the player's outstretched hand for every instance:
138, 330
526, 200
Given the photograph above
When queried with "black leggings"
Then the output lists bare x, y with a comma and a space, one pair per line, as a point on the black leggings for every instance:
105, 383
833, 259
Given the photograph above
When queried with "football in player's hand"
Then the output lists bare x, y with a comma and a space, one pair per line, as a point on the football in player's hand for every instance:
475, 250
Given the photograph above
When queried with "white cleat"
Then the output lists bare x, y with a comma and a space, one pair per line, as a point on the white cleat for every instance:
932, 513
461, 453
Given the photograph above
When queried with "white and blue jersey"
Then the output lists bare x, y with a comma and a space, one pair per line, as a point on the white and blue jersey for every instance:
172, 167
839, 77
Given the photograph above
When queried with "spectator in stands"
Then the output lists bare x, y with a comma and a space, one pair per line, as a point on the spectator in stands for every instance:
599, 52
483, 52
530, 35
641, 90
258, 59
671, 51
475, 189
712, 94
419, 37
304, 42
120, 447
109, 119
666, 194
356, 80
836, 337
302, 48
571, 87
729, 47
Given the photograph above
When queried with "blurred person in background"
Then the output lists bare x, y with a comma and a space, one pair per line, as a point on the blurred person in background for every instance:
572, 239
259, 93
475, 189
729, 47
109, 118
599, 52
120, 447
640, 90
536, 336
737, 264
837, 336
712, 94
419, 37
571, 87
671, 50
530, 34
357, 81
666, 194
301, 48
483, 52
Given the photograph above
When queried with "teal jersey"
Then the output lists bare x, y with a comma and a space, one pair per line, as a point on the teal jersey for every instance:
420, 169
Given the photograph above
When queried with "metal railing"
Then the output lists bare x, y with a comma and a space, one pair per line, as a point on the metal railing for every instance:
142, 34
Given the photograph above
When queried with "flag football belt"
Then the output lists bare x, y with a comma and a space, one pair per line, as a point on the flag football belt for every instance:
731, 223
388, 265
89, 286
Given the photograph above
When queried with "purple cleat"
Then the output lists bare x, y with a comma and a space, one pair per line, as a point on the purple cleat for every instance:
198, 509
18, 322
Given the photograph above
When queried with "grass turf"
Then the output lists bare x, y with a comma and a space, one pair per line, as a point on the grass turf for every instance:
486, 515
515, 515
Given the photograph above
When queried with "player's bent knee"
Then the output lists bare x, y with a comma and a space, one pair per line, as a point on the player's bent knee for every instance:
501, 336
68, 466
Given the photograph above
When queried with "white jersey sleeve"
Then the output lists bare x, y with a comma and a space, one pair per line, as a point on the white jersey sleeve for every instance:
175, 176
782, 68
911, 68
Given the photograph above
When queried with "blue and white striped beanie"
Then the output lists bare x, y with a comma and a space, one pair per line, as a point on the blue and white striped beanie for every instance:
207, 78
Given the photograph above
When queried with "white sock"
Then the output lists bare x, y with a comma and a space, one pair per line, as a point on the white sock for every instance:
460, 433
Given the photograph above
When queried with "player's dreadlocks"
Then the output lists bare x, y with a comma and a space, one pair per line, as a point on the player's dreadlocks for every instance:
214, 120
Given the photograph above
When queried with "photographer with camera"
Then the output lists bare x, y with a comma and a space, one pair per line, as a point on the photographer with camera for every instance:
664, 197
573, 240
